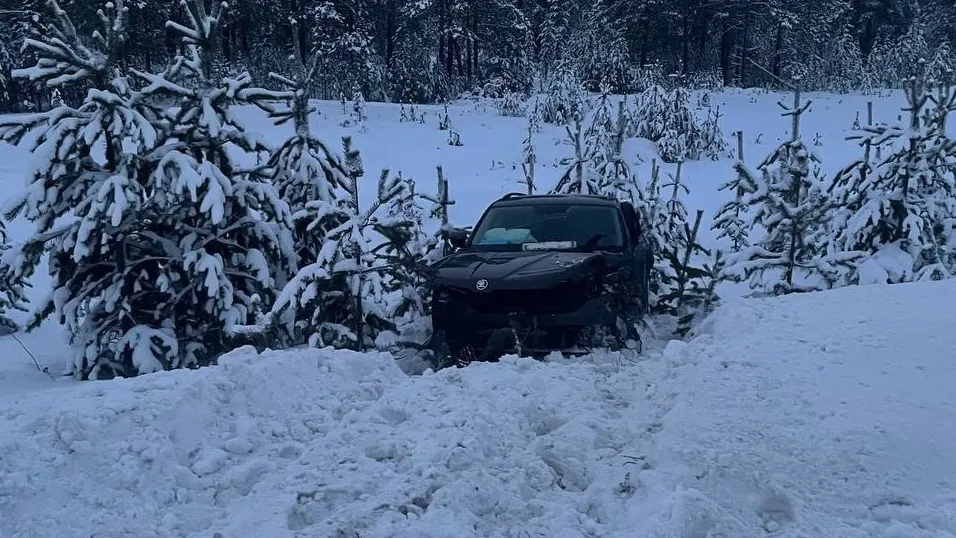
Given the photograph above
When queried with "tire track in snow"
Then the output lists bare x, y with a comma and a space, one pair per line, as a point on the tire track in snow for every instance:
538, 455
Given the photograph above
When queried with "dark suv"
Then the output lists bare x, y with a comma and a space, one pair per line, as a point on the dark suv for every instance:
541, 273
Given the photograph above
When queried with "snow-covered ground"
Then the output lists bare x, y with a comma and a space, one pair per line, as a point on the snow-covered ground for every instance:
824, 415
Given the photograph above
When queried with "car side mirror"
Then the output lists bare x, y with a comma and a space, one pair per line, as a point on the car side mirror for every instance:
457, 237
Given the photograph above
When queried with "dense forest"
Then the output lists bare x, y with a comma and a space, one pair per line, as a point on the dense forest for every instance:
425, 51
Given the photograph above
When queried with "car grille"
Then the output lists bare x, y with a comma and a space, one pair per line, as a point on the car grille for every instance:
560, 299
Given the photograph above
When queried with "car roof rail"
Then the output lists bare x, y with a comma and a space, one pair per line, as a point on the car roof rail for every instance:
511, 195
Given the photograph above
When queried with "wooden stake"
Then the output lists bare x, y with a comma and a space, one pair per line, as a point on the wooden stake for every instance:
442, 197
796, 111
795, 128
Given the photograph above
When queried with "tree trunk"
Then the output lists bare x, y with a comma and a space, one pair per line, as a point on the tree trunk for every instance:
726, 49
474, 46
778, 53
390, 28
744, 53
701, 18
685, 46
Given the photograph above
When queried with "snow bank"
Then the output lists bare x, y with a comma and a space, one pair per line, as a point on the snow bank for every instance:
818, 415
822, 415
321, 442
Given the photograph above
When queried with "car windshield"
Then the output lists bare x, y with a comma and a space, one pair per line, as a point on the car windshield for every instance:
550, 226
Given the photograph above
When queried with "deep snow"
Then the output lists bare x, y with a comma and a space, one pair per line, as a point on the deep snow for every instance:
823, 415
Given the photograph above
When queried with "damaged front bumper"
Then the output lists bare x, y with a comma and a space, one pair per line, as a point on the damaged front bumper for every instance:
532, 323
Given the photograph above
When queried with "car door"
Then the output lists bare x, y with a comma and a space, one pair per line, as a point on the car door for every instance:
641, 255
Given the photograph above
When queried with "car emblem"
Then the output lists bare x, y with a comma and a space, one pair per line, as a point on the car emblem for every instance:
481, 285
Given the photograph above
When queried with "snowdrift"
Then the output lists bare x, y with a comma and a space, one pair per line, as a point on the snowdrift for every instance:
823, 415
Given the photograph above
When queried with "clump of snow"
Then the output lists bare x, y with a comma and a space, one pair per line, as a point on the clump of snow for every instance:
674, 350
889, 264
810, 415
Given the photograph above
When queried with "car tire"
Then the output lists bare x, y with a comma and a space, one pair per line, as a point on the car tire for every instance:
448, 352
441, 350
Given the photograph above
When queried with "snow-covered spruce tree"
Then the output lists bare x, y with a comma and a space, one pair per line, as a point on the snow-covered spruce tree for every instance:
598, 165
566, 97
339, 300
896, 58
11, 287
307, 174
403, 256
730, 217
358, 107
529, 159
577, 177
679, 140
512, 104
222, 233
598, 49
695, 292
680, 284
437, 246
649, 113
670, 226
901, 211
940, 68
321, 190
656, 224
597, 152
6, 62
667, 119
615, 177
791, 205
89, 195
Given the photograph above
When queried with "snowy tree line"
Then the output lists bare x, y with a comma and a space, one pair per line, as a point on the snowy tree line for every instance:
888, 217
423, 52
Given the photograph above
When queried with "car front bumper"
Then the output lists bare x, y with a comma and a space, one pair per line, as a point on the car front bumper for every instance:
459, 318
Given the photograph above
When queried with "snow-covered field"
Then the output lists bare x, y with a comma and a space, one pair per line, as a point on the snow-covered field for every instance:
823, 415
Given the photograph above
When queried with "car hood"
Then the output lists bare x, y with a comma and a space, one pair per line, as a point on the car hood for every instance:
487, 271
